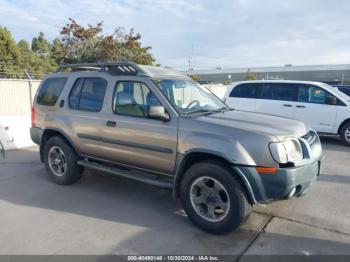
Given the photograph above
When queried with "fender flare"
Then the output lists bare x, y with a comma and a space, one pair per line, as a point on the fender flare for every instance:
181, 163
60, 132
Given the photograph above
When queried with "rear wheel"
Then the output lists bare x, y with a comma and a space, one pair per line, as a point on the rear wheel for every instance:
214, 198
345, 133
61, 161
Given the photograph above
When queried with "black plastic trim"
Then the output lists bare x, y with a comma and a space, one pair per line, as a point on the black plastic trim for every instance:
36, 134
145, 178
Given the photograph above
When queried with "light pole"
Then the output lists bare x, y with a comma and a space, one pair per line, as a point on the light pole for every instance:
30, 87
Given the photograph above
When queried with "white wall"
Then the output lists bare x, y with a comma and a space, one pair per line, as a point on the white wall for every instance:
15, 112
14, 131
218, 89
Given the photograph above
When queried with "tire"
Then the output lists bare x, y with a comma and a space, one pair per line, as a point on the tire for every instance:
345, 134
228, 220
72, 172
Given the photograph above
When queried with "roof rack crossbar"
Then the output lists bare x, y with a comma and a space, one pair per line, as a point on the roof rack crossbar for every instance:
119, 68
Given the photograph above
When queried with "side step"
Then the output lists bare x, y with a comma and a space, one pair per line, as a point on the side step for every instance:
145, 178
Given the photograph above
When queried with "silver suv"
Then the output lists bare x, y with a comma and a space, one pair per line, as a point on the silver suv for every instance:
157, 126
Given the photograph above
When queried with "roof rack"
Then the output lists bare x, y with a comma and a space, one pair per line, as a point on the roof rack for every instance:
118, 68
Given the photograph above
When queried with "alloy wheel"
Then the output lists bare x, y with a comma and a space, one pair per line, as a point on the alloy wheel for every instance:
57, 161
210, 199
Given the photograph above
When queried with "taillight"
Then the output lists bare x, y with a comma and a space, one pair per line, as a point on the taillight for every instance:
33, 116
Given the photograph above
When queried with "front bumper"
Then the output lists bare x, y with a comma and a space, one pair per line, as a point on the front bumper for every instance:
286, 183
291, 182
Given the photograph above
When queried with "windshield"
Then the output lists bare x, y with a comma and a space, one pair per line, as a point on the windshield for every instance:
189, 97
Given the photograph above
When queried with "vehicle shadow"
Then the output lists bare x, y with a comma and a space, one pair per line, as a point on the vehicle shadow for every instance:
334, 178
334, 143
129, 205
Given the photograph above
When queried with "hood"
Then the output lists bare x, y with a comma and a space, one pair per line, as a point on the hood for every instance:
278, 127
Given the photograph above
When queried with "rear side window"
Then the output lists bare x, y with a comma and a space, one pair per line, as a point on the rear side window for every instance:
88, 94
50, 90
75, 94
279, 91
245, 91
269, 91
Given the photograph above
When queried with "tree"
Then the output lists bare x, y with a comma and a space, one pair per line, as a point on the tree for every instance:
87, 44
57, 51
250, 75
10, 56
195, 77
129, 47
78, 44
36, 65
41, 46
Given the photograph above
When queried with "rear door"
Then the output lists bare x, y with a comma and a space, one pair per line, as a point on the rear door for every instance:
277, 99
84, 111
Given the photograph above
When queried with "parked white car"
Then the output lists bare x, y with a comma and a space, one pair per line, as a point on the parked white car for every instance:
324, 108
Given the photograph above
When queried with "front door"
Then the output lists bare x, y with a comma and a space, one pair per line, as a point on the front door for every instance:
315, 108
133, 139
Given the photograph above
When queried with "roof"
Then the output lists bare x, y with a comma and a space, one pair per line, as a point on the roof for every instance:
155, 71
273, 69
280, 81
123, 68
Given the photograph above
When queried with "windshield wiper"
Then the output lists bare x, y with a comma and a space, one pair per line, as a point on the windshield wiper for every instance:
199, 111
202, 110
222, 109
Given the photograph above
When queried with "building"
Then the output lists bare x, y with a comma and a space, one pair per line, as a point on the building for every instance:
332, 74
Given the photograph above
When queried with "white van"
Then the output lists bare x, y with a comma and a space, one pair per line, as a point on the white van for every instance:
324, 108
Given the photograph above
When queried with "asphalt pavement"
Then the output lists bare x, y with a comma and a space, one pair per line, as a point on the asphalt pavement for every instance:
102, 214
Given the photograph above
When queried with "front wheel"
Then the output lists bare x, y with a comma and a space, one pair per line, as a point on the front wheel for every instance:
214, 198
345, 133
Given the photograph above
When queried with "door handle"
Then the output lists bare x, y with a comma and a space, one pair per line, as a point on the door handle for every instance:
111, 123
287, 105
301, 106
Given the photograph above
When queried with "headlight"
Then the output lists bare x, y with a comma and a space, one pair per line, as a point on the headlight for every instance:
288, 151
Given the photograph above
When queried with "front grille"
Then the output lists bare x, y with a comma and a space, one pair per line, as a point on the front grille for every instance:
310, 138
311, 145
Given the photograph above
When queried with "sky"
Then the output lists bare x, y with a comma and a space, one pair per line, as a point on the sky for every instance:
215, 33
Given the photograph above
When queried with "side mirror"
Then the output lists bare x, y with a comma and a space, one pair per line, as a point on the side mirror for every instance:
331, 100
158, 112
